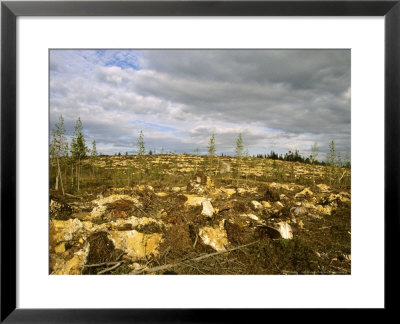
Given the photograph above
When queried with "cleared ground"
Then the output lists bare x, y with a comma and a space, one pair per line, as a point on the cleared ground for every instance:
183, 214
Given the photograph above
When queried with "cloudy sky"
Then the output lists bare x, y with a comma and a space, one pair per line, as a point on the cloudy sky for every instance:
278, 99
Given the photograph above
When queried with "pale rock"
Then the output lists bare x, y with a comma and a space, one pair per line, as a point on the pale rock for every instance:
60, 248
280, 230
193, 200
278, 205
175, 189
73, 266
241, 191
161, 194
161, 213
64, 230
215, 237
323, 188
309, 205
200, 184
266, 204
345, 196
283, 197
327, 210
251, 216
275, 185
228, 191
285, 230
208, 209
252, 190
102, 203
224, 167
255, 204
299, 211
135, 266
144, 187
304, 193
137, 245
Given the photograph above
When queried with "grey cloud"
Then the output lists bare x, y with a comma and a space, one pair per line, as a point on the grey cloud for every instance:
302, 93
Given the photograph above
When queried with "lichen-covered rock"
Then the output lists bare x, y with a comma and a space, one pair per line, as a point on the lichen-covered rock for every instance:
193, 200
251, 216
299, 211
64, 230
215, 237
137, 245
60, 248
266, 204
278, 205
101, 204
224, 167
304, 194
323, 188
59, 210
228, 191
72, 266
200, 184
255, 204
326, 210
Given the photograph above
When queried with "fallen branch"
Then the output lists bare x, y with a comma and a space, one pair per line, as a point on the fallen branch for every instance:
325, 227
340, 179
110, 269
100, 264
224, 209
195, 241
69, 195
173, 265
141, 210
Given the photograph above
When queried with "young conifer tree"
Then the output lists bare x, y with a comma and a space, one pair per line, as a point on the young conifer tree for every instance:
211, 145
314, 158
239, 146
59, 148
331, 155
314, 153
330, 160
211, 150
93, 154
93, 151
141, 151
140, 144
239, 154
78, 148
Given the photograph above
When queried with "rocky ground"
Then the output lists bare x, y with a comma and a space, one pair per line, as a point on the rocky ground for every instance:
197, 216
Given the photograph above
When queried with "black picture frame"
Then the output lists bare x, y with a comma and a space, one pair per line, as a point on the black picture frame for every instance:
11, 10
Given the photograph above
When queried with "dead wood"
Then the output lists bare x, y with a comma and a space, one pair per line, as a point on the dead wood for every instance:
184, 261
110, 269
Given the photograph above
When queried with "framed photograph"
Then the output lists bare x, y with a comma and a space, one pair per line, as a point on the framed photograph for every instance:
160, 159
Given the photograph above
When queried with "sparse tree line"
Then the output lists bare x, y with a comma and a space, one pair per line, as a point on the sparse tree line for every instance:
332, 158
67, 157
